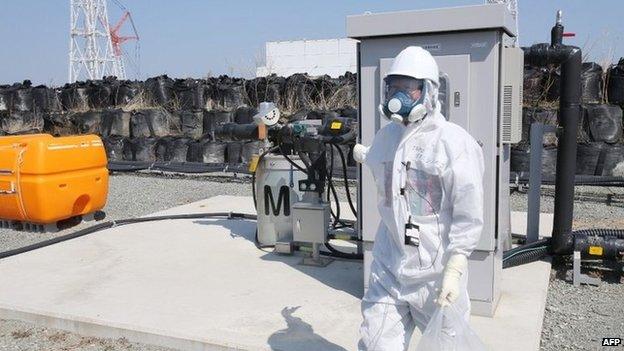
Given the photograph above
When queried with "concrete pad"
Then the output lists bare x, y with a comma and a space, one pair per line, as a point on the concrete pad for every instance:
203, 285
519, 223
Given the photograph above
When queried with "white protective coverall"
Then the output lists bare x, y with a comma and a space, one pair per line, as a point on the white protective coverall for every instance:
428, 173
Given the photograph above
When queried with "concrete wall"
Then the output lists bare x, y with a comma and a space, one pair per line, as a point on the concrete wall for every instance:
315, 57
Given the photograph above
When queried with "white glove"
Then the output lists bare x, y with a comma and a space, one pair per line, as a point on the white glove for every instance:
359, 153
455, 267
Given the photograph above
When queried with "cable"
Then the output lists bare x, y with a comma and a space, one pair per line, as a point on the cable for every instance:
291, 161
116, 223
346, 181
337, 253
329, 193
253, 176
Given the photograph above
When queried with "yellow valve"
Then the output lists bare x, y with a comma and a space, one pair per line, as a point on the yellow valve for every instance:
335, 125
595, 250
253, 163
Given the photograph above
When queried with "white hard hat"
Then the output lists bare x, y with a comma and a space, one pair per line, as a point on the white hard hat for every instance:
415, 62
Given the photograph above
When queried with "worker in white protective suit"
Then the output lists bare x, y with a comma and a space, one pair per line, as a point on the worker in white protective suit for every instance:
428, 175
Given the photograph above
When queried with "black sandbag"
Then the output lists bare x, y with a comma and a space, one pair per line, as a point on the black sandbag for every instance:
115, 122
591, 83
613, 160
191, 123
337, 96
615, 83
143, 149
88, 122
44, 99
322, 115
101, 93
230, 97
269, 88
605, 122
533, 84
159, 90
207, 151
114, 147
75, 97
520, 160
250, 149
58, 123
162, 147
244, 115
552, 84
234, 152
300, 115
214, 119
348, 112
21, 122
194, 151
5, 98
189, 94
227, 93
127, 92
599, 158
22, 99
300, 92
153, 122
545, 116
178, 151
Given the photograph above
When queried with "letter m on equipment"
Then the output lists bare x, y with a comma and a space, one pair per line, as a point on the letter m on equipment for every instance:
283, 198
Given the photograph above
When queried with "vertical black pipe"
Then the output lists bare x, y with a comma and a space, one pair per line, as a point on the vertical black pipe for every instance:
569, 114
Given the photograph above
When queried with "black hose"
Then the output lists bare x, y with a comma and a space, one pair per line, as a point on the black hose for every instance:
602, 232
291, 161
111, 224
526, 253
253, 175
339, 254
331, 190
526, 256
346, 181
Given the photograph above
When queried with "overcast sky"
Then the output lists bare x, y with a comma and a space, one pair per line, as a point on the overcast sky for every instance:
192, 38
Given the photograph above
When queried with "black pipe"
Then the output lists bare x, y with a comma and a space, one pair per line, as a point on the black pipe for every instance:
522, 177
570, 59
607, 247
569, 115
237, 132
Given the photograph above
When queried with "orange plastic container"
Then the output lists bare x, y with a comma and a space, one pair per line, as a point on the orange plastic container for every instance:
45, 179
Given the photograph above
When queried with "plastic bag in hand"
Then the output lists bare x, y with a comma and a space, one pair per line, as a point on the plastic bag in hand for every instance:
448, 331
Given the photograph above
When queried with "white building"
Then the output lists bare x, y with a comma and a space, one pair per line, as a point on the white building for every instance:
333, 57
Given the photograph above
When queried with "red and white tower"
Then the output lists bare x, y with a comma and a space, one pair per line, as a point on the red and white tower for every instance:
95, 46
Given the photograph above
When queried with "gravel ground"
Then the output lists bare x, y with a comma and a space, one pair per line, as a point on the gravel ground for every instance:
575, 318
578, 318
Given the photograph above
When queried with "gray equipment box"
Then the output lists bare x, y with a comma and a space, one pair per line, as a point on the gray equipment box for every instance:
482, 70
310, 222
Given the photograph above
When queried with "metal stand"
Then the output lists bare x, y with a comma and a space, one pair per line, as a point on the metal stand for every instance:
535, 179
579, 278
316, 260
